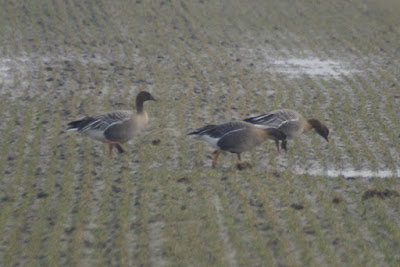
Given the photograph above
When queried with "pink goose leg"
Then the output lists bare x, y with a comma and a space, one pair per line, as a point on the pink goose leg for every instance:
214, 162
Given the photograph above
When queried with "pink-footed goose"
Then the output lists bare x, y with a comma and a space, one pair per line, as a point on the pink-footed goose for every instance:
290, 122
115, 128
235, 137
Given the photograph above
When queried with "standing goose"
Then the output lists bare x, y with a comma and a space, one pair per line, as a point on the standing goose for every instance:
235, 137
115, 128
290, 122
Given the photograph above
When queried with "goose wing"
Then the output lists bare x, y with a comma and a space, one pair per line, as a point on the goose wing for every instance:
213, 133
218, 131
275, 119
103, 121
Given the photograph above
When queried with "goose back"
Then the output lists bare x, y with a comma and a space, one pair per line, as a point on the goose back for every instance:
288, 121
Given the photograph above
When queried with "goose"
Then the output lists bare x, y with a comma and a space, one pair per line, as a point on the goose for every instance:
289, 122
235, 137
115, 128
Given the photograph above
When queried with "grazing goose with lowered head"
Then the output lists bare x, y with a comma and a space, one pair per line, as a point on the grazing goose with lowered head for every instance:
235, 137
115, 128
290, 122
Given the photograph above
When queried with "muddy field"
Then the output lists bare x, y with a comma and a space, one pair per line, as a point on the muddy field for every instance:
63, 201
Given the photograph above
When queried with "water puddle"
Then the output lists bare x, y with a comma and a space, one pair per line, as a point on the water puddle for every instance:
311, 67
13, 75
349, 173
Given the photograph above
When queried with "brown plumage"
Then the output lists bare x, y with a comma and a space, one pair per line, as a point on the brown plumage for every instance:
290, 122
235, 137
117, 127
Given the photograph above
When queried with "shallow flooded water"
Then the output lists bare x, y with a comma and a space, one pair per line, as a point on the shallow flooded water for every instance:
312, 67
350, 173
